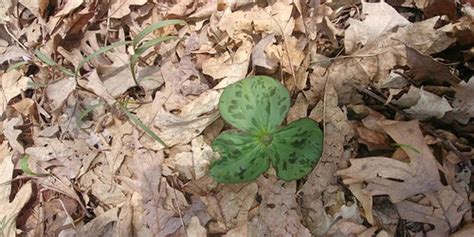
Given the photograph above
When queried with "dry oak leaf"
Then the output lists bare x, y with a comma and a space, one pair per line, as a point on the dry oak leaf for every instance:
424, 67
445, 212
193, 119
464, 101
399, 180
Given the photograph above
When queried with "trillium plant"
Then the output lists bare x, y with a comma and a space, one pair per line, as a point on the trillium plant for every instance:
257, 107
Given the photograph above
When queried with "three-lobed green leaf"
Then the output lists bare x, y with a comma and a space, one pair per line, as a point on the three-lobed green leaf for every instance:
257, 106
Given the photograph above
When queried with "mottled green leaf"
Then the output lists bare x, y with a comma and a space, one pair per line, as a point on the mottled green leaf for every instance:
242, 158
255, 105
296, 148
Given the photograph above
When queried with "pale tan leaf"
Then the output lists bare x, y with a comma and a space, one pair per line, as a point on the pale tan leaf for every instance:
261, 58
13, 83
11, 133
379, 18
24, 106
195, 229
59, 91
96, 85
429, 105
229, 68
98, 226
193, 119
10, 210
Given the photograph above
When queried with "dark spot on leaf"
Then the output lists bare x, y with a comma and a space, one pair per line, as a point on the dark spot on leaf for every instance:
249, 107
292, 159
285, 165
238, 115
272, 91
238, 94
298, 143
267, 108
254, 122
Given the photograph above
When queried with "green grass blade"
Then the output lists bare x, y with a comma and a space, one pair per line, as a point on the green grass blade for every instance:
140, 124
148, 44
26, 168
139, 37
16, 65
49, 61
97, 53
407, 147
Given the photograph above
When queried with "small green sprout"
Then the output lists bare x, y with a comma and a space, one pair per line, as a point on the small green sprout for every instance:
257, 106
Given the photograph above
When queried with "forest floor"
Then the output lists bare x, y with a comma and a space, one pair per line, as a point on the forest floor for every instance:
88, 90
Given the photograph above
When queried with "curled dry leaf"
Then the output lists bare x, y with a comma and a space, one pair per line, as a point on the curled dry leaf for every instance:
424, 105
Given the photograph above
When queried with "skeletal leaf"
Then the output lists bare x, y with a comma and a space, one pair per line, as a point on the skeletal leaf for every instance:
255, 105
296, 148
242, 158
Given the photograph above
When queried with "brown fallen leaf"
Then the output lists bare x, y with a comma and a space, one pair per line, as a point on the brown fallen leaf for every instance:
423, 104
229, 68
10, 209
424, 67
230, 206
399, 180
11, 133
463, 109
379, 18
58, 92
261, 58
69, 6
98, 226
321, 189
193, 119
195, 229
279, 211
445, 212
466, 231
